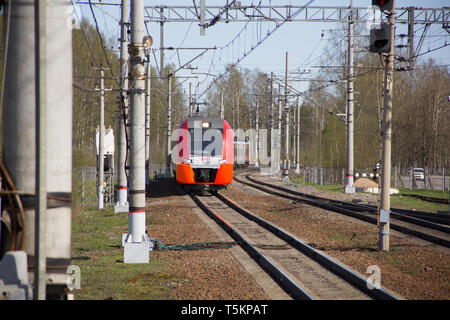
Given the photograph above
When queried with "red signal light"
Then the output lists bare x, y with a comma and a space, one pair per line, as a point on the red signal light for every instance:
384, 5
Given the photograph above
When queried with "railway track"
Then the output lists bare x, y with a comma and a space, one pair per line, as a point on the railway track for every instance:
404, 221
300, 270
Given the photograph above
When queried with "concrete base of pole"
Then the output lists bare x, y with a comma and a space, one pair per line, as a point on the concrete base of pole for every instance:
121, 208
297, 169
136, 252
100, 197
122, 204
285, 173
349, 189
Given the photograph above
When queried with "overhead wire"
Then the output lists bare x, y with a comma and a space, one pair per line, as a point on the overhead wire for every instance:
102, 44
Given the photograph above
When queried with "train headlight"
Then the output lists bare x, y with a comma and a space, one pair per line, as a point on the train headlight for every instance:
205, 124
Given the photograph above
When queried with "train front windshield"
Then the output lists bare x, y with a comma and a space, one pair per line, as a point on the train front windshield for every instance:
205, 142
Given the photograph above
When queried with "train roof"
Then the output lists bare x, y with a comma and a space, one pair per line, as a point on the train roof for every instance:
196, 122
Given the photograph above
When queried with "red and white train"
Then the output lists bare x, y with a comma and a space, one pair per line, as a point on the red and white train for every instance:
204, 154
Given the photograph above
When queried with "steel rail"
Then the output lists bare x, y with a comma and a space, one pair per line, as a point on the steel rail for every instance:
418, 218
283, 280
347, 212
328, 263
426, 219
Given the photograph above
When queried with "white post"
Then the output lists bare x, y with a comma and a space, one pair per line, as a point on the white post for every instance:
59, 132
286, 163
222, 113
136, 243
385, 205
168, 125
40, 248
297, 169
147, 118
101, 138
122, 188
350, 187
257, 133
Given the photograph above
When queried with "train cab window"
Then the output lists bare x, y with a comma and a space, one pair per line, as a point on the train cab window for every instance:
205, 142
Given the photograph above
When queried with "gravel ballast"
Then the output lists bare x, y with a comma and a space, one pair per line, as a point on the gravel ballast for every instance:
412, 269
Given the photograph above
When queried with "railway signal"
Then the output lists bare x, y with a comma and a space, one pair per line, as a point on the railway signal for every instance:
380, 38
384, 5
382, 41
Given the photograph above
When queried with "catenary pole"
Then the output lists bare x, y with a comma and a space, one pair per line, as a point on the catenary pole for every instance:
384, 226
222, 114
161, 43
168, 123
147, 117
101, 138
286, 163
297, 149
41, 151
257, 133
350, 187
59, 140
191, 105
136, 243
272, 120
122, 188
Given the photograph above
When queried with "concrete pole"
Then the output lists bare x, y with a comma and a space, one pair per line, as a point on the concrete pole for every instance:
272, 108
147, 117
161, 43
257, 133
101, 138
233, 107
191, 111
59, 132
279, 128
286, 163
238, 111
202, 17
168, 124
383, 240
136, 243
411, 36
222, 112
297, 149
350, 187
40, 241
19, 117
122, 188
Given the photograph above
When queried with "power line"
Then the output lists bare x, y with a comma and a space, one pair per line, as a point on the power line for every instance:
101, 44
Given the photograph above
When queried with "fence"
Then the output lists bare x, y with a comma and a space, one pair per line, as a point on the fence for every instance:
85, 184
435, 178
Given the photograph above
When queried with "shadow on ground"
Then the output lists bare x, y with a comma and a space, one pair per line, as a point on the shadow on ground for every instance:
164, 187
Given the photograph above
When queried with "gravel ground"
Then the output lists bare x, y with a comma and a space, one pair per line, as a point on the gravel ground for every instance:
212, 274
413, 269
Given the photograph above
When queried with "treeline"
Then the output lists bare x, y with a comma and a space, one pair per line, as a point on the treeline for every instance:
90, 54
421, 112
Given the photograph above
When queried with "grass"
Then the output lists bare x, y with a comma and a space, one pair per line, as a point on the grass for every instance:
328, 187
278, 213
337, 236
401, 200
426, 193
96, 250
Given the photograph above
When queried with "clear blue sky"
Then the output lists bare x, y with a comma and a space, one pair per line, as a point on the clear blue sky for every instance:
301, 40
